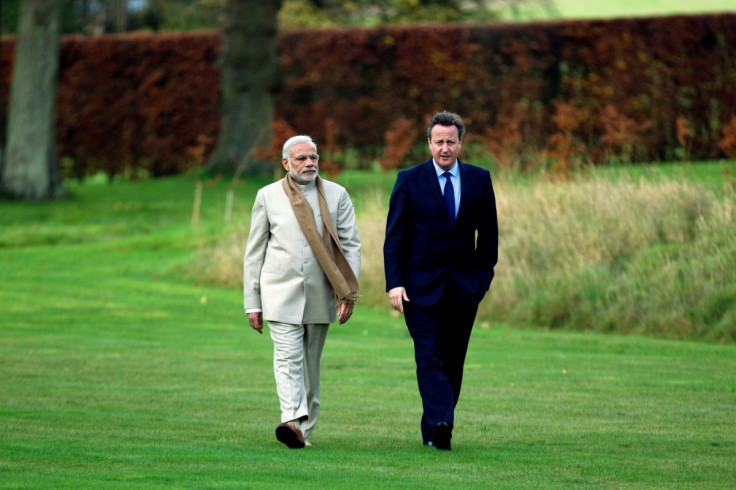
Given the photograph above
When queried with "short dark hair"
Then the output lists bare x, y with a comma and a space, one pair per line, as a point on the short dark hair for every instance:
445, 118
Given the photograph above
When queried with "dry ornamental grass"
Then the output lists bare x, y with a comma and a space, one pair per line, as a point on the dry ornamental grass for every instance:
593, 253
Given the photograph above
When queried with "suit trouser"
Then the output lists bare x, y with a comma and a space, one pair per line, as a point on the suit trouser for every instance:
297, 353
441, 333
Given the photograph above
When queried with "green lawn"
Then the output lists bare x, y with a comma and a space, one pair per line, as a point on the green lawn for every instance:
582, 9
118, 370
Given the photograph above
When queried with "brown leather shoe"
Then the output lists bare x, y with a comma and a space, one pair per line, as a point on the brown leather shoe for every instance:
291, 436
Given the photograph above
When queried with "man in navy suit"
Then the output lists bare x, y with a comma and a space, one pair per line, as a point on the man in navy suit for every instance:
437, 272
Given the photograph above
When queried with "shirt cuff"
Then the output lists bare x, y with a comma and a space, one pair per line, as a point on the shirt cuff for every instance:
253, 310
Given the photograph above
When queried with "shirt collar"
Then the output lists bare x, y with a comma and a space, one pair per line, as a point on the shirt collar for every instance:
306, 187
455, 170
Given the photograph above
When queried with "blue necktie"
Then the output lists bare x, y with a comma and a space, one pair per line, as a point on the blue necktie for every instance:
450, 197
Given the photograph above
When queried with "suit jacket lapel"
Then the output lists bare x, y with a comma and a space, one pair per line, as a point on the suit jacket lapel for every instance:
431, 182
465, 186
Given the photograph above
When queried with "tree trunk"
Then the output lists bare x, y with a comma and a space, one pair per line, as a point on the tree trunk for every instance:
248, 64
30, 169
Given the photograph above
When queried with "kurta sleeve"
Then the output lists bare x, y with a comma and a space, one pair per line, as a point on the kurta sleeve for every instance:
255, 253
347, 232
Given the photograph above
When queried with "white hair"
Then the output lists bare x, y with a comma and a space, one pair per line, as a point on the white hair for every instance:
302, 138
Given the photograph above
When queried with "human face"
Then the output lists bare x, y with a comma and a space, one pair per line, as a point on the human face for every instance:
445, 145
303, 162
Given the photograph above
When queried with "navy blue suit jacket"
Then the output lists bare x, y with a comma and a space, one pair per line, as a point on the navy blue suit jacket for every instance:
422, 250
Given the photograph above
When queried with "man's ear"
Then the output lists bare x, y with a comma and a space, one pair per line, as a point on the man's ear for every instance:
285, 163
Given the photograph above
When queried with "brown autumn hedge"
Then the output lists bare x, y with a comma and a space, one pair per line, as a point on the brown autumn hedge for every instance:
642, 89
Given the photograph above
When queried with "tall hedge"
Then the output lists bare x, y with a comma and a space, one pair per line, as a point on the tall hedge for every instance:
649, 89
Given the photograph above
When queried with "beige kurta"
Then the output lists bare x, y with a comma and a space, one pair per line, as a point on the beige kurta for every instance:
281, 274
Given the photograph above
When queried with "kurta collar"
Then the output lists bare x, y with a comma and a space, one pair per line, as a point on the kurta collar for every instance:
306, 187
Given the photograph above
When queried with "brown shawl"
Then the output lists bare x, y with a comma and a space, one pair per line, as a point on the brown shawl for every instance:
326, 248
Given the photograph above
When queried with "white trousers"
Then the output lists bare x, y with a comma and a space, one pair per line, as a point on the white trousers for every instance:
297, 354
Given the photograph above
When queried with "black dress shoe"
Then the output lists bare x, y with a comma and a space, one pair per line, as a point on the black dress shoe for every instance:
290, 436
441, 436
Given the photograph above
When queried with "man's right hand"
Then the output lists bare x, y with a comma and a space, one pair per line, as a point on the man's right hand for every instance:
256, 321
397, 296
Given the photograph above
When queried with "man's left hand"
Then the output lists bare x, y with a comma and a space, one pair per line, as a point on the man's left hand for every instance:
344, 312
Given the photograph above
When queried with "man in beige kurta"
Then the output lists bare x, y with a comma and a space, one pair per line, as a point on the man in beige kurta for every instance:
286, 285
